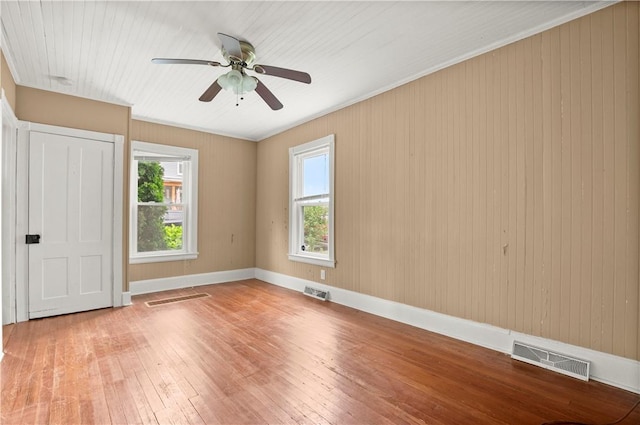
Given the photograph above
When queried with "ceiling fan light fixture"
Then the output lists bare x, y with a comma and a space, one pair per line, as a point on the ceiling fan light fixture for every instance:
234, 79
237, 82
249, 83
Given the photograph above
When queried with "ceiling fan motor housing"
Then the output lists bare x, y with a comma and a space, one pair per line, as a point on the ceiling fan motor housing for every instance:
248, 54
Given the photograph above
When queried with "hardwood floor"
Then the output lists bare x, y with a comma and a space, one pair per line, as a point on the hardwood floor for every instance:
256, 353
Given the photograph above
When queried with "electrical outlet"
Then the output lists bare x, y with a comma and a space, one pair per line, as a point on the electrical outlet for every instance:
322, 274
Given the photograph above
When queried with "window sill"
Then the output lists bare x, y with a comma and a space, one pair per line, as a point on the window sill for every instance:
162, 258
313, 260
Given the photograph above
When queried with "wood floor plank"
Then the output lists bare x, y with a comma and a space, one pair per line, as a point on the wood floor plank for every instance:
256, 353
219, 410
151, 395
114, 404
171, 416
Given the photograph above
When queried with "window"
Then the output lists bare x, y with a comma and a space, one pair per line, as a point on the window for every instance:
164, 203
311, 202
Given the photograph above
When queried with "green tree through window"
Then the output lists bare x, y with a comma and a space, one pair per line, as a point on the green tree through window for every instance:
173, 236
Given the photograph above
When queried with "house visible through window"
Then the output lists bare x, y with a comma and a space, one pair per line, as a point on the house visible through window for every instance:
311, 202
163, 203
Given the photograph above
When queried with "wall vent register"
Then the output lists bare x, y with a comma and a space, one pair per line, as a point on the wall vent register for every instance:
560, 363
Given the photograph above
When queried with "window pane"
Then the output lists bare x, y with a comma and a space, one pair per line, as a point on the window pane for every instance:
151, 228
172, 181
159, 228
315, 175
316, 235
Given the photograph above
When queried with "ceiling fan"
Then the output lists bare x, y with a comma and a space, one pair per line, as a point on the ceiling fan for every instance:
241, 55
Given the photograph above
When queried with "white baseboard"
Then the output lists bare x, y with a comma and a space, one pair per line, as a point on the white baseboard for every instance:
126, 298
607, 368
164, 284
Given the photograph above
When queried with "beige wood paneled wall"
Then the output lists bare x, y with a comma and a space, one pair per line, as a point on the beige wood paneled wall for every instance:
46, 107
7, 82
503, 189
226, 201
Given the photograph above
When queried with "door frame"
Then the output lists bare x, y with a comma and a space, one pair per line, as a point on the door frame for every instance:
22, 208
8, 213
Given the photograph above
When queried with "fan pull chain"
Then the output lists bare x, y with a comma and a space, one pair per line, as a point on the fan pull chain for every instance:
238, 101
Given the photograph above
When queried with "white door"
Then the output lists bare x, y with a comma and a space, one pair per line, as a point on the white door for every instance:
71, 209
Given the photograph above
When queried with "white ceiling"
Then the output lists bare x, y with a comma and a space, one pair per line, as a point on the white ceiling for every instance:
352, 50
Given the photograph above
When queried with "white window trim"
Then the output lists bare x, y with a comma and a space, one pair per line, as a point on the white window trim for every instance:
190, 244
295, 217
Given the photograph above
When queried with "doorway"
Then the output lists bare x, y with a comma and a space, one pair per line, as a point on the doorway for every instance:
69, 221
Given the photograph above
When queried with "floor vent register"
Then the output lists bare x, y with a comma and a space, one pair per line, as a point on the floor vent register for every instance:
551, 360
175, 299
